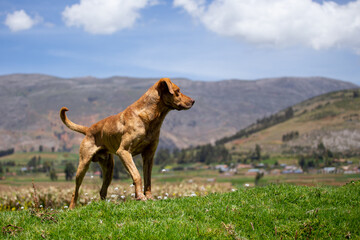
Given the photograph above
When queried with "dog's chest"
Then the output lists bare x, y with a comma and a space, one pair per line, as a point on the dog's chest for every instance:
143, 140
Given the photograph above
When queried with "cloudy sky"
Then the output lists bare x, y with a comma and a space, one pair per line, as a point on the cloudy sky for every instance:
196, 39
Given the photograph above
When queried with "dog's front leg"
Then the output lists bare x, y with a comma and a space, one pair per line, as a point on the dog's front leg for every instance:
148, 159
129, 164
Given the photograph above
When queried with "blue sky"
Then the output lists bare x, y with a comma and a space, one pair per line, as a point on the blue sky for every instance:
200, 40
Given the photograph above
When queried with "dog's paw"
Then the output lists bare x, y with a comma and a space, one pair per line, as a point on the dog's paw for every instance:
141, 198
149, 197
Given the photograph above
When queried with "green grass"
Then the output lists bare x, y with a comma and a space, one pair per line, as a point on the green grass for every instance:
237, 181
59, 159
271, 212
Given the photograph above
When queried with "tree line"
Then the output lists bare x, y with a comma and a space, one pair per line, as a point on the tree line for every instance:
319, 157
206, 154
6, 152
290, 136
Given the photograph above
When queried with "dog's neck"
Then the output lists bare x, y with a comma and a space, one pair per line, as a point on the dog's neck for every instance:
152, 108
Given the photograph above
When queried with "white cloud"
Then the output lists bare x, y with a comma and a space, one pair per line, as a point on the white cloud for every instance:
104, 16
20, 20
281, 22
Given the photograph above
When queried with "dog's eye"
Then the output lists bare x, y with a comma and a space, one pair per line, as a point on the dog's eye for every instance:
177, 92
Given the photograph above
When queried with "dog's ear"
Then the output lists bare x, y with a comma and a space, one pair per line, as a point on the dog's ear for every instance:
165, 85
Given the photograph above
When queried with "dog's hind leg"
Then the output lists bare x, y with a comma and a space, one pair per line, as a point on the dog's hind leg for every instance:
107, 166
87, 151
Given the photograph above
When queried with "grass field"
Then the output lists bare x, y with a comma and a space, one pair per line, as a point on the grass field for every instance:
270, 212
17, 191
189, 204
57, 159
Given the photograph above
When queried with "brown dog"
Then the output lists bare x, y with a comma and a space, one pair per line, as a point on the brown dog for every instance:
134, 131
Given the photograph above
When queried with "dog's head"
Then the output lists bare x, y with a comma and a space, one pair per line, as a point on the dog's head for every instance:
172, 97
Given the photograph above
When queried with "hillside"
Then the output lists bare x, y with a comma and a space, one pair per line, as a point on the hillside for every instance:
332, 119
271, 212
30, 105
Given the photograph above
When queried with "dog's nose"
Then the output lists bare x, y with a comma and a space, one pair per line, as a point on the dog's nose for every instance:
192, 101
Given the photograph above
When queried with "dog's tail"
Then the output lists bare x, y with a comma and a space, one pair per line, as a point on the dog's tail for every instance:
70, 124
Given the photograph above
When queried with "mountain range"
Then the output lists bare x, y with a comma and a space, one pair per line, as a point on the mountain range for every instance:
30, 104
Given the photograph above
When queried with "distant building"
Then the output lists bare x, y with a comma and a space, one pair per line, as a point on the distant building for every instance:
350, 169
292, 169
253, 171
329, 170
275, 172
241, 166
222, 167
260, 165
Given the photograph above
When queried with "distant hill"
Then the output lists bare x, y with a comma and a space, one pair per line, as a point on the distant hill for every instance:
30, 105
332, 119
